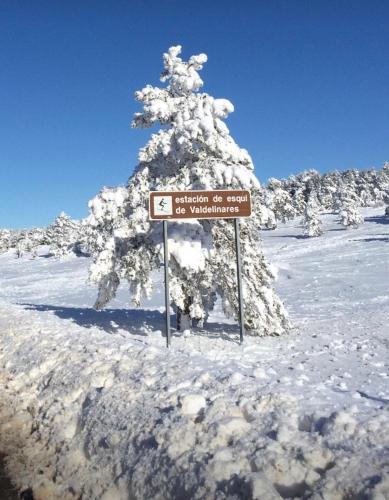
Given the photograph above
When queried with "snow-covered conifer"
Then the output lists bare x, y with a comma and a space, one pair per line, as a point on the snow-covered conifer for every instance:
37, 236
383, 183
311, 220
350, 215
282, 204
262, 204
5, 240
298, 201
192, 150
22, 243
63, 235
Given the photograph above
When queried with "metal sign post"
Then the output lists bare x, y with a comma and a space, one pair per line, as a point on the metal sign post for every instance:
167, 295
217, 204
239, 277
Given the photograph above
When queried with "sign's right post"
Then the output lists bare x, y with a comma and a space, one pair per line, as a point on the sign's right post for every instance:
167, 295
239, 277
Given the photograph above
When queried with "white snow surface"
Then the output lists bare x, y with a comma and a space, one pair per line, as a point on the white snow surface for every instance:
93, 405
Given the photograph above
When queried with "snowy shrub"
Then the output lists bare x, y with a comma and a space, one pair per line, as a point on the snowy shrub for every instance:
192, 150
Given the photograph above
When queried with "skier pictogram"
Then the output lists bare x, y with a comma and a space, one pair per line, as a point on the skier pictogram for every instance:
162, 204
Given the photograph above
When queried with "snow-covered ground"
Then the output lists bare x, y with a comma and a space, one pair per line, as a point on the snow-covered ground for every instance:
93, 405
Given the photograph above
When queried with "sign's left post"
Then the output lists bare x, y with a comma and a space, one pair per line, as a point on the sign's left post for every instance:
167, 295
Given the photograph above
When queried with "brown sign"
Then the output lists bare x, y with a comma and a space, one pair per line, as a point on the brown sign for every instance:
166, 205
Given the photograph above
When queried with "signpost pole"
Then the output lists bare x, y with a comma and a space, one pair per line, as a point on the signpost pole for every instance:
239, 275
167, 297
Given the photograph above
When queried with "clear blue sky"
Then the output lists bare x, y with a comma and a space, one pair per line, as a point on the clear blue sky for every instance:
309, 81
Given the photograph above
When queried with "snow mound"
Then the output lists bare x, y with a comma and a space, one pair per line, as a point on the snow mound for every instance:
94, 406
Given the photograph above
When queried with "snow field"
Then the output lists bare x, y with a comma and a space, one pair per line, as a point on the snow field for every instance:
93, 404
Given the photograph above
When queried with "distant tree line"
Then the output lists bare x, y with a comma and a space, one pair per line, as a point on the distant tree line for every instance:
307, 194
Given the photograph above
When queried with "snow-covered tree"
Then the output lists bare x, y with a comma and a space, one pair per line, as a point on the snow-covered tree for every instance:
329, 186
311, 220
262, 207
350, 215
298, 201
63, 235
383, 183
193, 150
282, 203
368, 188
22, 243
5, 240
37, 236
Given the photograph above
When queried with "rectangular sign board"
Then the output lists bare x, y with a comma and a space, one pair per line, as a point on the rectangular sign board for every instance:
218, 204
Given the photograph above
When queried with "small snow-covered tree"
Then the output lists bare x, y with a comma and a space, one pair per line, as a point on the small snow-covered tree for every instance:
63, 235
36, 237
311, 220
22, 243
282, 203
383, 183
350, 215
262, 206
192, 150
5, 240
298, 201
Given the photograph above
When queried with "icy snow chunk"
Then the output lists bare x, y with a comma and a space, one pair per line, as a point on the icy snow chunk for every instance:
285, 433
318, 458
230, 427
342, 386
236, 378
221, 469
102, 379
259, 373
150, 381
340, 424
192, 404
177, 440
223, 455
290, 475
203, 378
262, 488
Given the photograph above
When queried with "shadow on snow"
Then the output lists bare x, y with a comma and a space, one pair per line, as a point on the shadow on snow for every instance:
378, 219
135, 321
372, 239
295, 236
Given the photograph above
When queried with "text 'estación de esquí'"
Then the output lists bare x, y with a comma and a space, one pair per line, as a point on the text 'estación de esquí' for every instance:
199, 204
